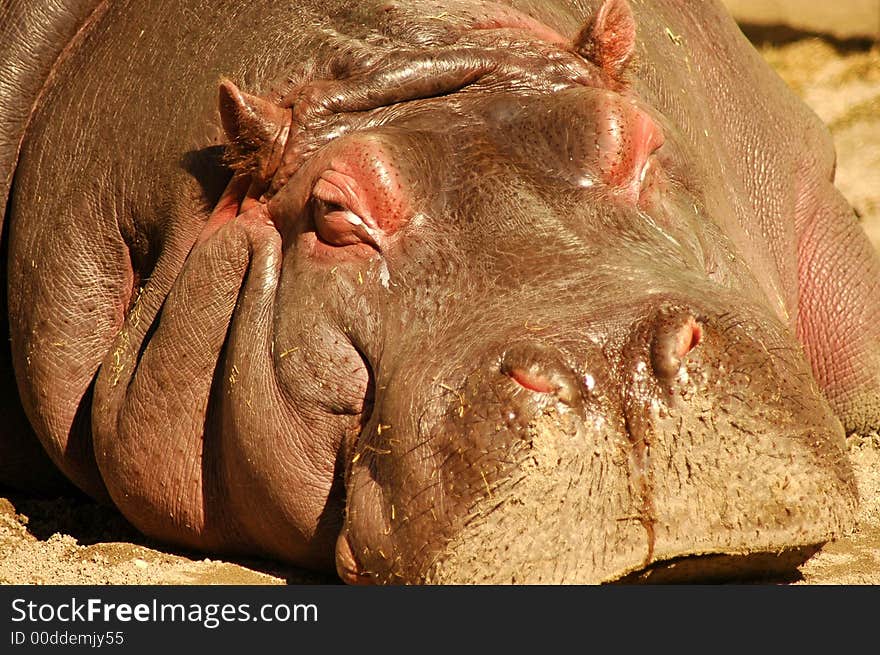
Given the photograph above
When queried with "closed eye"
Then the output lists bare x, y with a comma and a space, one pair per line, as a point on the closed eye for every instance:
337, 225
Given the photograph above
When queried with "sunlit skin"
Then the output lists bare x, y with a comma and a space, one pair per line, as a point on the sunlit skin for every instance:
440, 291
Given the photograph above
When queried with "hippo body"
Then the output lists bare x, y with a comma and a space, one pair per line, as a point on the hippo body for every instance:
440, 291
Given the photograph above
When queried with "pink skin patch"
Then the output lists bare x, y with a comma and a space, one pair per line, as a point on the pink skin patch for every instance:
237, 200
671, 345
358, 197
630, 137
500, 17
343, 219
688, 338
532, 381
227, 208
362, 195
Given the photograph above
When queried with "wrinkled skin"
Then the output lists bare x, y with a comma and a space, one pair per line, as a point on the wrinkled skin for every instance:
434, 291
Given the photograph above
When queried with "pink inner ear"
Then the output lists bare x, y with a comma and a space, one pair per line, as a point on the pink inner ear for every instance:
613, 36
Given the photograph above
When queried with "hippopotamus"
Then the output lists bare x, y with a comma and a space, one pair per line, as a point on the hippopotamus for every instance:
436, 291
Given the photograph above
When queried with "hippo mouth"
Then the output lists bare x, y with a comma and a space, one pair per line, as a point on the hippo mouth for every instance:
725, 567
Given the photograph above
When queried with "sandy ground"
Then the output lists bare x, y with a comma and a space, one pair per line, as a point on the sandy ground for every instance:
73, 541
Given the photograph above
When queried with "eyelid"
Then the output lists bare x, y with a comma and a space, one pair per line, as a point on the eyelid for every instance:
339, 226
338, 188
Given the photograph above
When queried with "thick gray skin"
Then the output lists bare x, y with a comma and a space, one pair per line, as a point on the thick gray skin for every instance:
249, 388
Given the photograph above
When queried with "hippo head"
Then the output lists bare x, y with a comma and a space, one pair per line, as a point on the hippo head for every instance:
508, 311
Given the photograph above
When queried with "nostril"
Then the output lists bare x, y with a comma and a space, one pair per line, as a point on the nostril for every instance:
689, 337
539, 370
532, 380
675, 337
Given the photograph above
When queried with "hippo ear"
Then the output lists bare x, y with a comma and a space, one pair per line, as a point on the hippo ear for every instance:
609, 39
256, 128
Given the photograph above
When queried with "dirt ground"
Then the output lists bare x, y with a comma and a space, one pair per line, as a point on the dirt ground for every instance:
73, 541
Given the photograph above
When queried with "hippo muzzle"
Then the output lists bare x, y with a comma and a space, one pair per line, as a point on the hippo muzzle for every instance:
693, 447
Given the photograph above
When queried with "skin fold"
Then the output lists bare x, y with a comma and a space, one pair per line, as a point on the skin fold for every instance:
445, 292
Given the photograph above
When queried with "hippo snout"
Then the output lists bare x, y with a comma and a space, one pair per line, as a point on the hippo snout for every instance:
686, 446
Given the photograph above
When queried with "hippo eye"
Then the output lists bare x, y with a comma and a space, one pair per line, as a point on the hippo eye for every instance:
339, 226
340, 218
